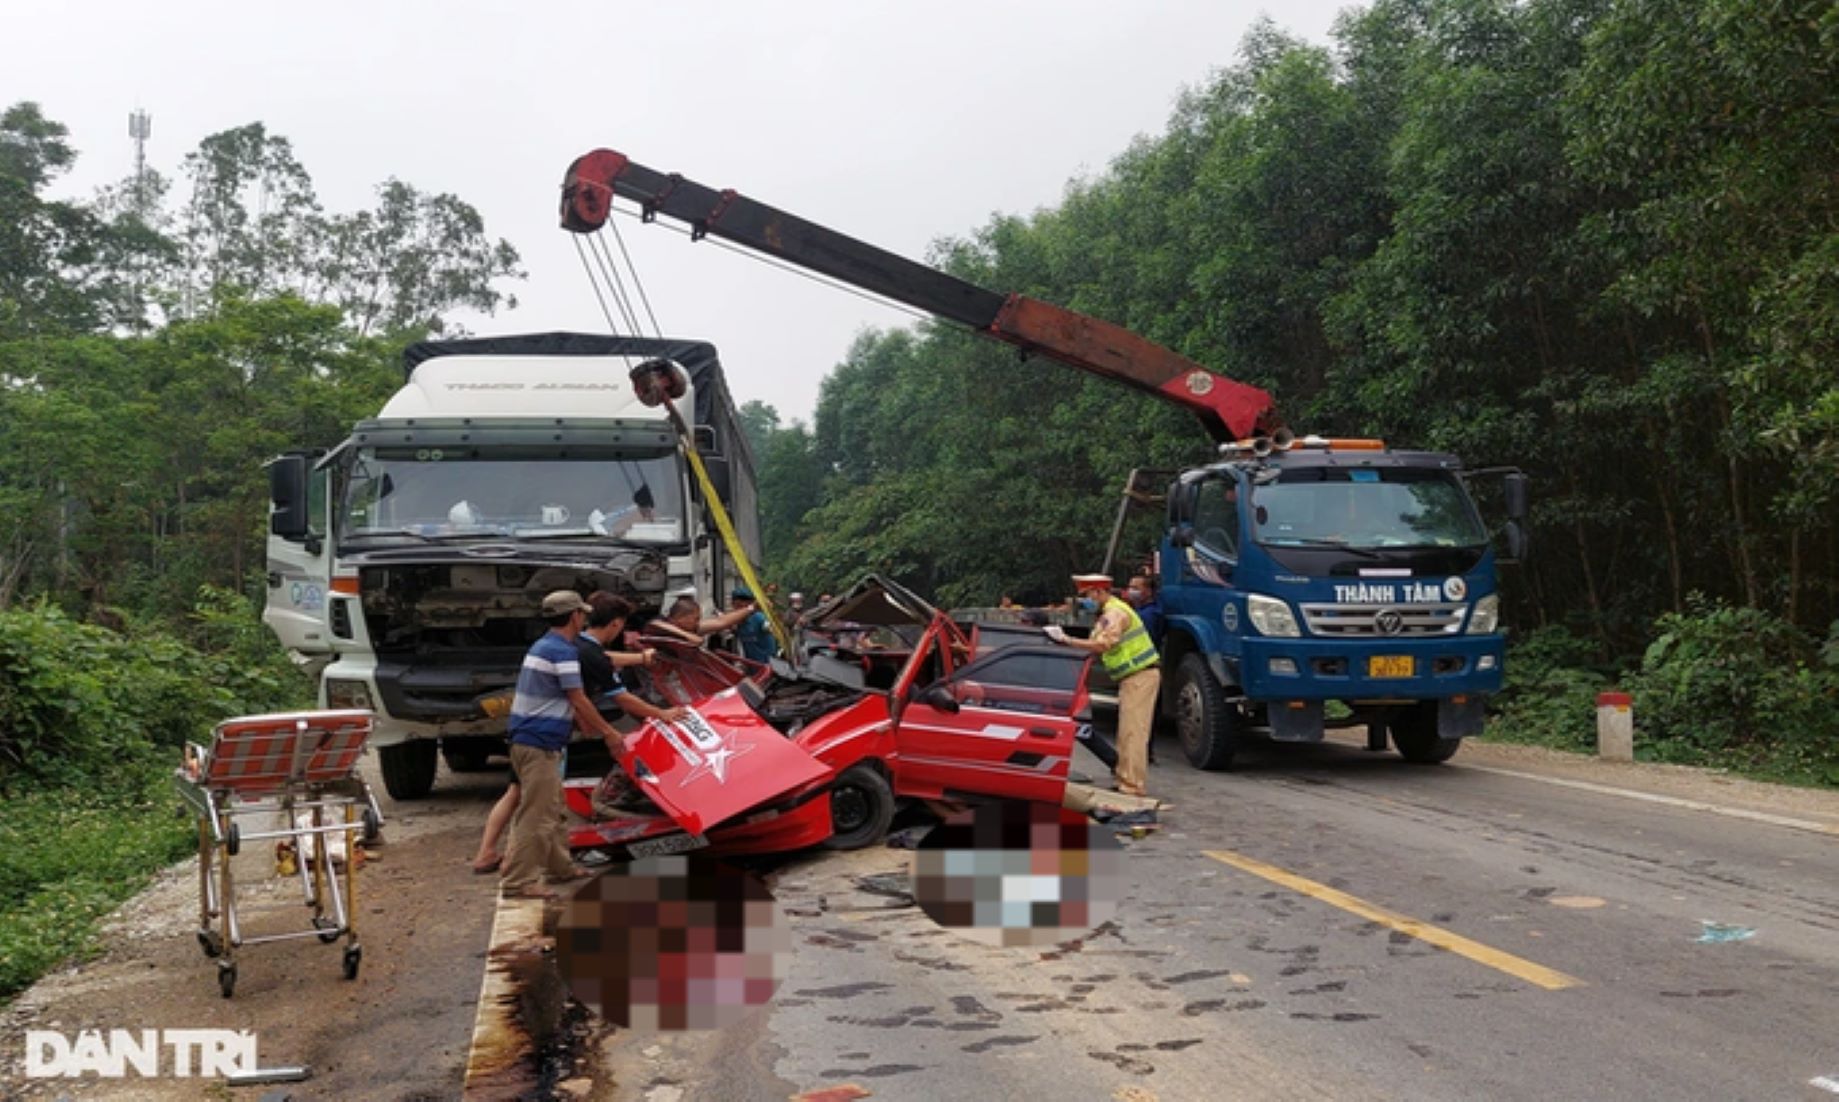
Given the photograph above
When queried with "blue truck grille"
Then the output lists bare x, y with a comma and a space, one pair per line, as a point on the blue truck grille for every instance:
1382, 621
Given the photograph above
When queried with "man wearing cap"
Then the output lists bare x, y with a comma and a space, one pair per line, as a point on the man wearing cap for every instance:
1122, 644
549, 703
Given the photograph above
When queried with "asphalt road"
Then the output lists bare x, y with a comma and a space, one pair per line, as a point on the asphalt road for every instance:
1324, 923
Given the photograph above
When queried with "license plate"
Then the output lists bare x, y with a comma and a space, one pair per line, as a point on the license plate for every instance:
670, 843
1390, 665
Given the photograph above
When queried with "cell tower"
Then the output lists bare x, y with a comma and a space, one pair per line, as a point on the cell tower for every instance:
140, 128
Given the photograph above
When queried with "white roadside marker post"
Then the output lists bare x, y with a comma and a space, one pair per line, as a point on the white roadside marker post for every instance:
1615, 727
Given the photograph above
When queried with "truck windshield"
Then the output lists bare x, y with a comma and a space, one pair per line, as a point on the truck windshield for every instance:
1365, 508
423, 493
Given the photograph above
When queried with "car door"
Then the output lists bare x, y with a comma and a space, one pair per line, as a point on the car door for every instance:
1002, 725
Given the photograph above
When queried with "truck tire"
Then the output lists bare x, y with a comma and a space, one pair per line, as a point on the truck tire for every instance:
861, 807
1203, 718
408, 768
1415, 734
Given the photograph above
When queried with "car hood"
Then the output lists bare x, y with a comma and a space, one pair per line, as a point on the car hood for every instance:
874, 601
721, 760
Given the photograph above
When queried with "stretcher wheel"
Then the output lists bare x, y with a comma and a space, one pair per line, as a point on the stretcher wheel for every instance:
232, 840
354, 955
373, 825
328, 929
226, 978
211, 942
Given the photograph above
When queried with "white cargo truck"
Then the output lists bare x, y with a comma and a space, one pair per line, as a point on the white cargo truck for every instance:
407, 564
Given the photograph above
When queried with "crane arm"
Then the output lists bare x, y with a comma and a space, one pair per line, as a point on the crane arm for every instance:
1228, 409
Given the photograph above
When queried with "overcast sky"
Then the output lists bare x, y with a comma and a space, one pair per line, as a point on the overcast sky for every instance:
899, 124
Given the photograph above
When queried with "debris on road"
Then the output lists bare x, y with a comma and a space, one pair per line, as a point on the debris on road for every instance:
891, 884
1085, 798
909, 838
268, 1075
1117, 819
1720, 931
848, 1092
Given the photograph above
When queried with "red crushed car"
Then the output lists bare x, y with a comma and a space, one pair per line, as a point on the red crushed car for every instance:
886, 701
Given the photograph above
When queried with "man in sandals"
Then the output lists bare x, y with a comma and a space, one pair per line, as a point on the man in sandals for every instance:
549, 703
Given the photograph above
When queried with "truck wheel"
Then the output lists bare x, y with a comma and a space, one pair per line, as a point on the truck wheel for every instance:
465, 756
1415, 734
408, 768
1203, 718
861, 807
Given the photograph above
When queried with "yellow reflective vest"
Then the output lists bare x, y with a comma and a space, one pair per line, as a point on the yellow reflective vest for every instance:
1133, 652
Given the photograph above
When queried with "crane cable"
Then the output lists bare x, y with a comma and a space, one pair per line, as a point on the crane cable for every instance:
686, 440
820, 280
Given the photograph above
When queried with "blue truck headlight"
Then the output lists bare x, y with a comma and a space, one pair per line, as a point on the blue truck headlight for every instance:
1271, 617
1486, 615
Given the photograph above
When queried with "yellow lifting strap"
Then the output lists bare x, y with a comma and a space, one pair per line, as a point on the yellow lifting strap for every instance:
729, 537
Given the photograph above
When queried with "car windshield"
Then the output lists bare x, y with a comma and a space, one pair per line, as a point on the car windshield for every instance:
425, 493
1365, 508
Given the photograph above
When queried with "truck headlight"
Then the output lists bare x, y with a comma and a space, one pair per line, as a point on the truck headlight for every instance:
1486, 616
347, 694
1271, 616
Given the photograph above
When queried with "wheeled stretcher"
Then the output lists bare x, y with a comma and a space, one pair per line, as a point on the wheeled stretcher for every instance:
293, 776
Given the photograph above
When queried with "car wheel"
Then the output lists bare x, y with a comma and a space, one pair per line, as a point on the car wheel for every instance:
1415, 734
861, 807
1203, 718
408, 768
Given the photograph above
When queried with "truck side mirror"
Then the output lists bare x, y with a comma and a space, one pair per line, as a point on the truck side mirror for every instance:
1182, 496
287, 496
1518, 545
719, 475
1514, 487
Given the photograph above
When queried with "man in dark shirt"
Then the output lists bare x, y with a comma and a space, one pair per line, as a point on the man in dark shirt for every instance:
1142, 595
606, 619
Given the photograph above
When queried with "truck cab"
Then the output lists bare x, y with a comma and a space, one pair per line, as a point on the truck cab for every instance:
407, 565
1331, 572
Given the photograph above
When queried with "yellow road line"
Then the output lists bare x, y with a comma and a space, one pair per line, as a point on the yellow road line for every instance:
1535, 974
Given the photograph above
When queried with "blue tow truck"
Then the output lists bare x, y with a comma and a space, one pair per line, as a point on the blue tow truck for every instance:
1295, 573
1321, 570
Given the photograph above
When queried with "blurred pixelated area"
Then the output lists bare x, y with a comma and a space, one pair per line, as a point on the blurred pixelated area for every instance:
1019, 874
673, 943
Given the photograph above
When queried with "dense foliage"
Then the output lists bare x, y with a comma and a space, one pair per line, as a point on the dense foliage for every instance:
1591, 238
91, 722
152, 355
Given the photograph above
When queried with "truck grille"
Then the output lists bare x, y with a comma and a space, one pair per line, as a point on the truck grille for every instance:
1344, 621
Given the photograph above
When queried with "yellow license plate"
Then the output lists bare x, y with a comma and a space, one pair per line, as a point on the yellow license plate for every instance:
1390, 665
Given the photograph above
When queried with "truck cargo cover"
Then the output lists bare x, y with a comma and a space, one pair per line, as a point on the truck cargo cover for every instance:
697, 358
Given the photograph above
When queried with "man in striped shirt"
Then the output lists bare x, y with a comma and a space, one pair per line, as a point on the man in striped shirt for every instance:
548, 705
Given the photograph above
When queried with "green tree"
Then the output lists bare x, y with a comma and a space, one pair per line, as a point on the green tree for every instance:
408, 262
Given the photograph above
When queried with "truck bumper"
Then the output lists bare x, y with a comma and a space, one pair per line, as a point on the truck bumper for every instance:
1280, 671
395, 724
